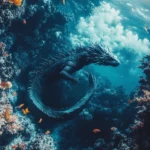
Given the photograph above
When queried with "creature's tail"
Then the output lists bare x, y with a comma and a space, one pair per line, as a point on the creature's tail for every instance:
62, 113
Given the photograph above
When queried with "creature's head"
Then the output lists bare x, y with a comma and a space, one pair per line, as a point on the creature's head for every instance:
97, 54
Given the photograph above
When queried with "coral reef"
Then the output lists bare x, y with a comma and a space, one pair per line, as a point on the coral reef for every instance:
10, 126
41, 142
17, 131
6, 64
136, 137
142, 98
8, 14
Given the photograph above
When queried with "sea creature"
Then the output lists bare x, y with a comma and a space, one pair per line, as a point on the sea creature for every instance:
15, 2
25, 111
5, 85
14, 146
7, 114
96, 130
40, 121
61, 68
112, 128
20, 106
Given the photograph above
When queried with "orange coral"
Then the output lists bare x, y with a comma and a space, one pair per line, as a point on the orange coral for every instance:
16, 2
145, 97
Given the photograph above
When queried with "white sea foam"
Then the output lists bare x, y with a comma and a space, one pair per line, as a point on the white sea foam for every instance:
105, 25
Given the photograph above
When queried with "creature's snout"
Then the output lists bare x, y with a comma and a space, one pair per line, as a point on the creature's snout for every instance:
113, 63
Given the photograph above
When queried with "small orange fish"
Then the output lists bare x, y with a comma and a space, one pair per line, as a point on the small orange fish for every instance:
5, 85
14, 93
14, 146
47, 132
40, 120
15, 2
96, 130
129, 101
24, 21
112, 128
7, 114
63, 1
20, 106
25, 111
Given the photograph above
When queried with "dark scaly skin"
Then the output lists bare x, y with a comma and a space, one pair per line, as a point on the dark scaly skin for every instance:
63, 69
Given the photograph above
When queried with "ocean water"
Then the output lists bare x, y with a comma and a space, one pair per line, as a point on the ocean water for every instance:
37, 32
